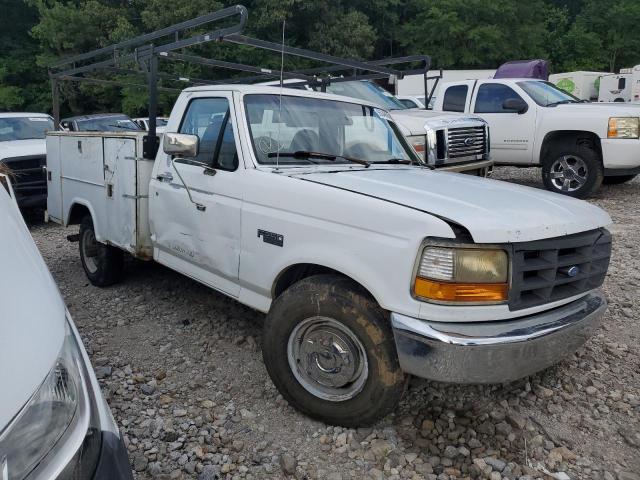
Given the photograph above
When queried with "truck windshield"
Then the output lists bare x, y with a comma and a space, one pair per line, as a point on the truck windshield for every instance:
367, 91
107, 124
546, 94
341, 130
24, 128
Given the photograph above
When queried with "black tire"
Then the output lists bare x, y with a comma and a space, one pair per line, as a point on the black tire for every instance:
342, 300
101, 263
618, 179
586, 156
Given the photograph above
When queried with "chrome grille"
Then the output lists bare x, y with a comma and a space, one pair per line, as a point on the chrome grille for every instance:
541, 270
466, 141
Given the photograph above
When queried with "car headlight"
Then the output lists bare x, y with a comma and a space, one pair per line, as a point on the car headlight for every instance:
419, 144
448, 274
425, 145
624, 127
55, 430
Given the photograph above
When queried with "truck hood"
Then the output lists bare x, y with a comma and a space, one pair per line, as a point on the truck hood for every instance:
493, 211
22, 148
32, 325
414, 121
599, 109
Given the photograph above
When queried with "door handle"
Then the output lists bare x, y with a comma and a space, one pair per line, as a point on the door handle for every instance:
164, 177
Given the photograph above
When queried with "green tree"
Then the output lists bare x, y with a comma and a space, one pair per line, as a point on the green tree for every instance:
573, 34
615, 24
476, 33
23, 86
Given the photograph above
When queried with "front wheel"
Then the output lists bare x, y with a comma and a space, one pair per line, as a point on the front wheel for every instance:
573, 170
618, 179
330, 351
101, 263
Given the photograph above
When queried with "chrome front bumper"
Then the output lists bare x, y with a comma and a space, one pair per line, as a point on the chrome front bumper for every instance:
481, 168
499, 351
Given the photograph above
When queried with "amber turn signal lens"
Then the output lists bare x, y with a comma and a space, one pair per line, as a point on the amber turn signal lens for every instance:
460, 292
612, 132
419, 147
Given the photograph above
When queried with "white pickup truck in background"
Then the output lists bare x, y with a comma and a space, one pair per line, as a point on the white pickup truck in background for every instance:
446, 141
23, 152
533, 123
370, 266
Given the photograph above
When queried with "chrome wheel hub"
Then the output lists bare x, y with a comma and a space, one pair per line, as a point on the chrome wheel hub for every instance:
569, 173
90, 251
327, 359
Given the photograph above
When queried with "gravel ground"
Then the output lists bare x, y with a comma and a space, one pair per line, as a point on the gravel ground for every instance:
181, 368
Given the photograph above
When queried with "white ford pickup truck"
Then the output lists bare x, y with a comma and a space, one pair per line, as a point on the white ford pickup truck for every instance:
22, 150
313, 209
534, 123
447, 141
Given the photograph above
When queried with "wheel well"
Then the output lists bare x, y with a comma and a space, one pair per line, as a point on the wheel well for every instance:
77, 213
578, 137
300, 271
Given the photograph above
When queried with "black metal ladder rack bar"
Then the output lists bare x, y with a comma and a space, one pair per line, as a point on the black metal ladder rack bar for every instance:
145, 50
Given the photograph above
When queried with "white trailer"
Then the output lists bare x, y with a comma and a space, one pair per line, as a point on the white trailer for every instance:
583, 85
615, 87
635, 84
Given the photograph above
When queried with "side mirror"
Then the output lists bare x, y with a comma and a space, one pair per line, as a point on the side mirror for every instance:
516, 105
181, 144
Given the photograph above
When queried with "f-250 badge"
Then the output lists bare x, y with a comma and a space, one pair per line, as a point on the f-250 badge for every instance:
272, 238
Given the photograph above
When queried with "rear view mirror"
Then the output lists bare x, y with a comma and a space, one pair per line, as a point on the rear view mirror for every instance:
181, 144
516, 105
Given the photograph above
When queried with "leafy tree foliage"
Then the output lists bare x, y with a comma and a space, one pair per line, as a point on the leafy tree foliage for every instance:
572, 34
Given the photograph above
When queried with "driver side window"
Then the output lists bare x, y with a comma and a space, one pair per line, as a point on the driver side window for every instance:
491, 97
210, 120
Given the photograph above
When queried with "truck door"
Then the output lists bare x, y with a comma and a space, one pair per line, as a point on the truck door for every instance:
512, 132
200, 237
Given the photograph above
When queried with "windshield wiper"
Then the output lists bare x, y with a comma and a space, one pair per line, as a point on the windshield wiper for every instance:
404, 161
395, 161
306, 155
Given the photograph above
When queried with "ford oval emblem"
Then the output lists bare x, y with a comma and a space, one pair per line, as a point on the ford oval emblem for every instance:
469, 141
573, 271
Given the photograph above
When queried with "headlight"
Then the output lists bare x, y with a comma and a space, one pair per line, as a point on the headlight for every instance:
462, 275
624, 127
425, 145
419, 144
55, 427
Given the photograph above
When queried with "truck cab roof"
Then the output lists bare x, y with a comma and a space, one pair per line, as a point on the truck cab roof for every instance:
275, 89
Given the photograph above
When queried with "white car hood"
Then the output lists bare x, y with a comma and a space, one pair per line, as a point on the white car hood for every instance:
599, 109
22, 148
415, 120
32, 314
493, 211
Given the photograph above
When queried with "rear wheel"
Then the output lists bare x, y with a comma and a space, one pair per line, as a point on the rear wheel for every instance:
618, 179
574, 170
330, 351
101, 263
